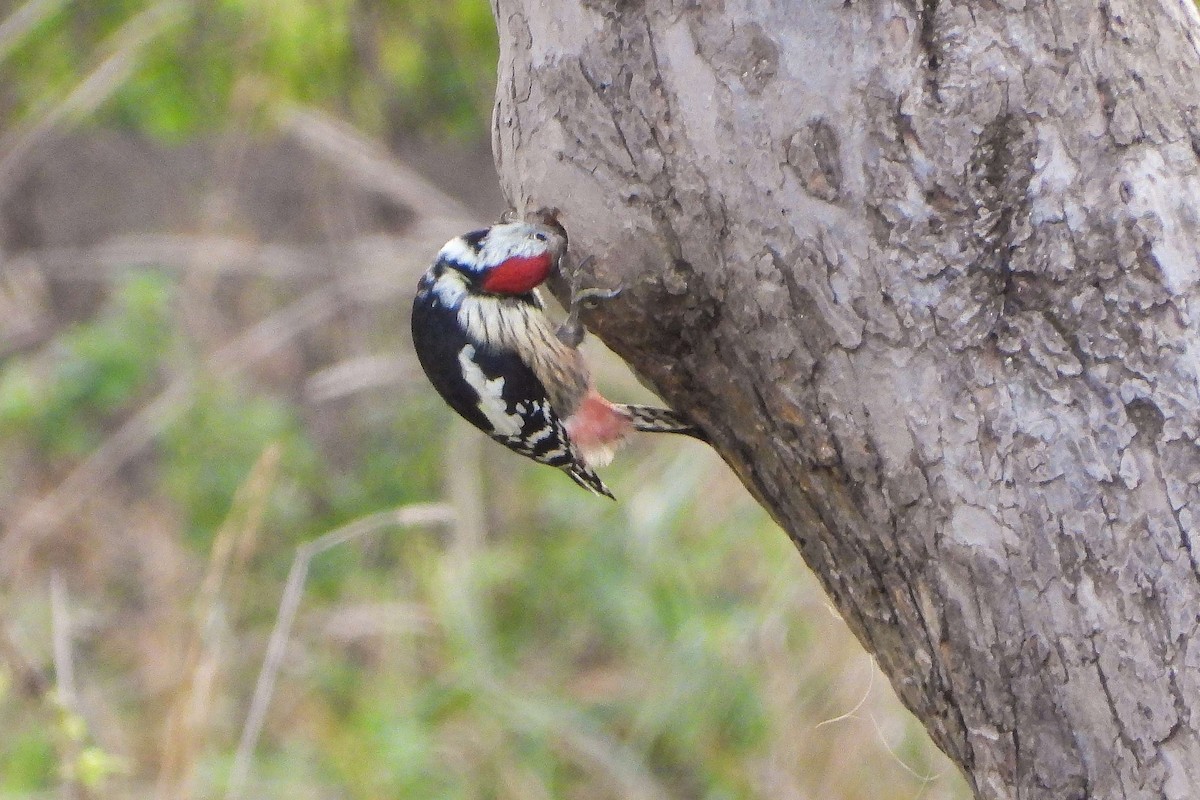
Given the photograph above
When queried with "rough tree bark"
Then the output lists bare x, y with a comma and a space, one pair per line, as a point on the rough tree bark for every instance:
927, 272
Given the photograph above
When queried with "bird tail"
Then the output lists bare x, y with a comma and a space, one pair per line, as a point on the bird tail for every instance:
588, 479
661, 420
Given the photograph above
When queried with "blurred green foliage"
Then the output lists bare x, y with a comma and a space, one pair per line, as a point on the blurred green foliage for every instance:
28, 762
99, 367
394, 67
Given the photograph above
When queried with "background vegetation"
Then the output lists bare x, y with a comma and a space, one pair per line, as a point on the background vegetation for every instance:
209, 238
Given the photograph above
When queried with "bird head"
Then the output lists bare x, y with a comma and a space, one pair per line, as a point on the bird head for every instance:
510, 258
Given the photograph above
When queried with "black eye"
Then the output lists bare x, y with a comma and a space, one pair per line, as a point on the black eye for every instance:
541, 237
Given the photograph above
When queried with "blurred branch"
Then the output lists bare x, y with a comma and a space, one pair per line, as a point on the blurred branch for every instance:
591, 746
466, 622
193, 700
60, 626
17, 25
24, 307
354, 375
30, 679
464, 484
64, 679
223, 255
51, 510
228, 255
358, 157
55, 507
97, 86
351, 622
404, 517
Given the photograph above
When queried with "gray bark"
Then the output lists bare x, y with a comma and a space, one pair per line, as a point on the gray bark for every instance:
927, 272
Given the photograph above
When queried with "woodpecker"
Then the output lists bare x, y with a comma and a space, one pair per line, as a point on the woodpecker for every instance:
483, 338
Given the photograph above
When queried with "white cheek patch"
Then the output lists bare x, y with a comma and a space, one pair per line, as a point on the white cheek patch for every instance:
450, 288
458, 251
491, 395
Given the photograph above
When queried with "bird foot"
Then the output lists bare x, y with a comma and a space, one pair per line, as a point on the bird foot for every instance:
572, 330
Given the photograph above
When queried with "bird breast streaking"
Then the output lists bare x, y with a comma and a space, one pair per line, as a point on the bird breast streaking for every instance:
483, 338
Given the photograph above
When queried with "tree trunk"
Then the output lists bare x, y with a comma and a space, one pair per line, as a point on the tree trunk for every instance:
926, 272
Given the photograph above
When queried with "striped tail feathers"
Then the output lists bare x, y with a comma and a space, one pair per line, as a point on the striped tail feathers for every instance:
585, 477
597, 432
661, 420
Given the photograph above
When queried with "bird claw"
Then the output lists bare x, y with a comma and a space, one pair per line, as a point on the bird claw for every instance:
572, 330
592, 298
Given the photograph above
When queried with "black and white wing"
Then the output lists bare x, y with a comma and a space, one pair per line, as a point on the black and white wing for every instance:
494, 390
